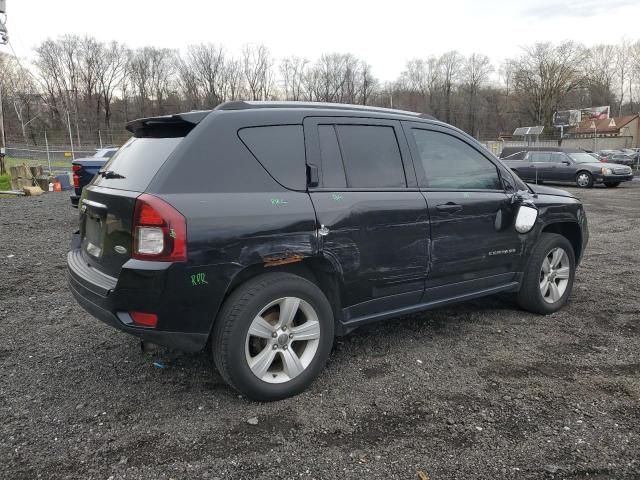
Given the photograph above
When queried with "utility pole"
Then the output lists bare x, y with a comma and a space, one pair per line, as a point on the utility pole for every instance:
46, 142
73, 154
3, 149
3, 41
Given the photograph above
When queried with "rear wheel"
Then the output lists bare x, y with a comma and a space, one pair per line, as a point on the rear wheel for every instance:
611, 184
548, 278
584, 179
273, 336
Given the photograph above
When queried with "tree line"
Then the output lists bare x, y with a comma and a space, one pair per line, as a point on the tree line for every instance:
82, 85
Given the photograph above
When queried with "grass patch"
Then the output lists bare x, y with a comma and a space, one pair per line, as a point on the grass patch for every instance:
5, 182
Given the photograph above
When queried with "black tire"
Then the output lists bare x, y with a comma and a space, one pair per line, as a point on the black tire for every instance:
530, 297
232, 325
611, 184
581, 183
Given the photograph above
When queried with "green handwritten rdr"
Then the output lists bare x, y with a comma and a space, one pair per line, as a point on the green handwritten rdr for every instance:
199, 279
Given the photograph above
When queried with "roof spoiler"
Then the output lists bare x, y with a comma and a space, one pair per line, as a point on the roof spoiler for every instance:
177, 125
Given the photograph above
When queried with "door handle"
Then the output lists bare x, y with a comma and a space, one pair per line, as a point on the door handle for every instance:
449, 207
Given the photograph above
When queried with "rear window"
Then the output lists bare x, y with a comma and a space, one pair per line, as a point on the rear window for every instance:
136, 163
371, 156
280, 150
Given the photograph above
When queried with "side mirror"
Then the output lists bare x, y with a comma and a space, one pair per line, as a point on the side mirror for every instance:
566, 162
526, 218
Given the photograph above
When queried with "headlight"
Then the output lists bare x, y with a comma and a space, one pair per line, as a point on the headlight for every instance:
605, 171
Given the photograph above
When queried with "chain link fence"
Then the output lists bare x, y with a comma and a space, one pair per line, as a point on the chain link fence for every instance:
56, 148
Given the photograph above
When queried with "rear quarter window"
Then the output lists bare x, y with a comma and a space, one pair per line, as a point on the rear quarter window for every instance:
136, 163
280, 150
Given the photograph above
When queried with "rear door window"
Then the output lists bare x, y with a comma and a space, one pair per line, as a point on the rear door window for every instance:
539, 157
280, 150
136, 163
371, 156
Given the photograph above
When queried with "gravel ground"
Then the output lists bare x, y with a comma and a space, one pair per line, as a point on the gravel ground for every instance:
478, 390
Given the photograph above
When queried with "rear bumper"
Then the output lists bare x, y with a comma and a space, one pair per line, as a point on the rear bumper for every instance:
98, 294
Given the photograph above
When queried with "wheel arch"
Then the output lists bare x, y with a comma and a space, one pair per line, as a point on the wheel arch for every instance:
571, 231
317, 270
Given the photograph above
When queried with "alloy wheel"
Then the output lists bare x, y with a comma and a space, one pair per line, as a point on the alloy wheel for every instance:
583, 180
554, 275
282, 340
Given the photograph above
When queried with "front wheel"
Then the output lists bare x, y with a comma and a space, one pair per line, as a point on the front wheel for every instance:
584, 180
611, 184
548, 278
273, 336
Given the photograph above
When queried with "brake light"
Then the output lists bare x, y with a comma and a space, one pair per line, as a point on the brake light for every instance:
142, 319
76, 178
159, 231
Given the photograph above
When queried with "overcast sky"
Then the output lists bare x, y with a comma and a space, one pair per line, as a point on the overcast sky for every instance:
385, 34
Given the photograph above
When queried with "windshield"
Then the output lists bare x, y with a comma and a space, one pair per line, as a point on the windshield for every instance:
581, 157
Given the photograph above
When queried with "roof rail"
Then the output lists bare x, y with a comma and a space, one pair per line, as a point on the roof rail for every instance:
247, 105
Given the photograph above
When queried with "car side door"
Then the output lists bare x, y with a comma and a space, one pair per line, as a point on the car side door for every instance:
564, 169
372, 218
473, 243
537, 163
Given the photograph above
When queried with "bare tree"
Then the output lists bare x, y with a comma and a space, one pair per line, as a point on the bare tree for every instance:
600, 74
622, 65
152, 71
256, 68
205, 64
292, 72
450, 64
543, 77
113, 64
477, 69
234, 80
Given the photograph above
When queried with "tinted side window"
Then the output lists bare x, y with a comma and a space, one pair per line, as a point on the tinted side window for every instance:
280, 150
371, 156
450, 163
540, 157
332, 168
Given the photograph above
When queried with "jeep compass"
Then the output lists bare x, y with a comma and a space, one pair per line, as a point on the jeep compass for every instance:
264, 229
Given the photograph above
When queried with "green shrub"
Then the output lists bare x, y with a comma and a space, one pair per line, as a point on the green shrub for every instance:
5, 182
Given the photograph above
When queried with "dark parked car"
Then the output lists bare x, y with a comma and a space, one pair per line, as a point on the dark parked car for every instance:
568, 166
265, 229
617, 156
84, 169
621, 159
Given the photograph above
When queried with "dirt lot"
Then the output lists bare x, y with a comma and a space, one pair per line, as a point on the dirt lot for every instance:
480, 390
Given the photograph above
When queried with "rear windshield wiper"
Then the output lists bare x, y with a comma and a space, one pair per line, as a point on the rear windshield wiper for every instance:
110, 174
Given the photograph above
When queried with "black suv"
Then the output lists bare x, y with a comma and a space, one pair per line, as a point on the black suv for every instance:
566, 166
265, 229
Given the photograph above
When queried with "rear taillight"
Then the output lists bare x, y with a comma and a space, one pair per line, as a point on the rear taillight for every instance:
76, 178
159, 231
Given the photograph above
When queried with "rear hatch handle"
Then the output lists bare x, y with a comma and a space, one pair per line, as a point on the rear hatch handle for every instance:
97, 208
